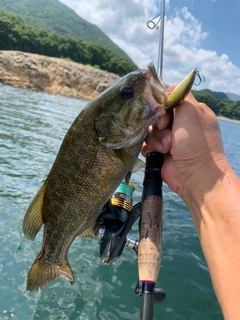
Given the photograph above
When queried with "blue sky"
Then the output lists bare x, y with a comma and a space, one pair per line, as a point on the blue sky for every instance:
221, 20
203, 34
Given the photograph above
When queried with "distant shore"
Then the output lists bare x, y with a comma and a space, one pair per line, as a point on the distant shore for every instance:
41, 73
227, 119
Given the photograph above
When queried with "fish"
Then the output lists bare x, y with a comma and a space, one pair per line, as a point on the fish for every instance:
98, 152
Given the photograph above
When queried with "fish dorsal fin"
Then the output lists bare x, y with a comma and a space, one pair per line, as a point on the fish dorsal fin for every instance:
33, 221
132, 163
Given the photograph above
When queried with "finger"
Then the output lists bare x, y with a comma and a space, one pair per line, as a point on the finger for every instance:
164, 121
160, 141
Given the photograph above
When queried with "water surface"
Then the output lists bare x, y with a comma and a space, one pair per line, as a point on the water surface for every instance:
32, 126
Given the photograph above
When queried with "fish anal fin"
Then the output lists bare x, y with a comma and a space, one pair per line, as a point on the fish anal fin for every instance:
89, 232
128, 177
33, 220
40, 274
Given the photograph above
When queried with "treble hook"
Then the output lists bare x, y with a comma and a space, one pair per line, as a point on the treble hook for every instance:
151, 24
201, 79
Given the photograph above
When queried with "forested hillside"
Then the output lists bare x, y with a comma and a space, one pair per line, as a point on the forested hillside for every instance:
54, 16
217, 95
222, 107
15, 34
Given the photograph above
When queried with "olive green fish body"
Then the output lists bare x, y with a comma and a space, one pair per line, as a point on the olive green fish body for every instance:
97, 153
78, 186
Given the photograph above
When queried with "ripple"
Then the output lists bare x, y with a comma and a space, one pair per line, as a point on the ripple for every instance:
32, 126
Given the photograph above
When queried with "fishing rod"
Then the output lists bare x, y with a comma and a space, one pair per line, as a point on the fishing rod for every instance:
118, 216
150, 241
161, 41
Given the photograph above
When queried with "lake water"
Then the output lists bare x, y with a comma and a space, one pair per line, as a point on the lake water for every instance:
32, 126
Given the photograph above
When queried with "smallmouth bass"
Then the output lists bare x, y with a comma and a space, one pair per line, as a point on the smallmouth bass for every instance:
98, 152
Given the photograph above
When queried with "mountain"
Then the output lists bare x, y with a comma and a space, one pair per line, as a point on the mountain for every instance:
233, 96
222, 95
17, 35
54, 16
217, 95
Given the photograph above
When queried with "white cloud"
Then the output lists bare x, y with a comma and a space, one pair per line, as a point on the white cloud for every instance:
125, 23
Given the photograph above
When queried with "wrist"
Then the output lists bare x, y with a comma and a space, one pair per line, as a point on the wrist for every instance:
203, 192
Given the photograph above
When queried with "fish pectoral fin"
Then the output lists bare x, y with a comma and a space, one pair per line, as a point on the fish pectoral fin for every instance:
33, 221
132, 163
40, 274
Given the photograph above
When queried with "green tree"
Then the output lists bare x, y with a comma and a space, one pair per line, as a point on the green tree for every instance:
207, 98
16, 35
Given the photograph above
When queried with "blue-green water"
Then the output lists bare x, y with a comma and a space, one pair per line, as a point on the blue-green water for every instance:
32, 126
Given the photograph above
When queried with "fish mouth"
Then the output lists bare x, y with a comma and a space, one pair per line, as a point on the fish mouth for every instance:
152, 68
154, 92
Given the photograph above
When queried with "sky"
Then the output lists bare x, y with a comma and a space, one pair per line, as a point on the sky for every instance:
202, 34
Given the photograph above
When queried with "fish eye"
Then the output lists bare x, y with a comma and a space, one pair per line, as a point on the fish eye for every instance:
126, 93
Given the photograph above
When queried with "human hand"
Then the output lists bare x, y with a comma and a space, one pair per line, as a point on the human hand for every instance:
196, 168
191, 140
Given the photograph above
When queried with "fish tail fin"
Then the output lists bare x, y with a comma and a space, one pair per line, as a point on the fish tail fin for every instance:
40, 274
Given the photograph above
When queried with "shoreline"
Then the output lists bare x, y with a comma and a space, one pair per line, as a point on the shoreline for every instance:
228, 119
53, 75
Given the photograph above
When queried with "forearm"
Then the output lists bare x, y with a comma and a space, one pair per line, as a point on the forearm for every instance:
216, 214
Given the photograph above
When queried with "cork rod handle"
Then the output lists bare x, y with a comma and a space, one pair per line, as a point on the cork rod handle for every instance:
150, 241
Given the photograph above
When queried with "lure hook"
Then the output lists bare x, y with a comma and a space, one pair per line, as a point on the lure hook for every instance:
201, 79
